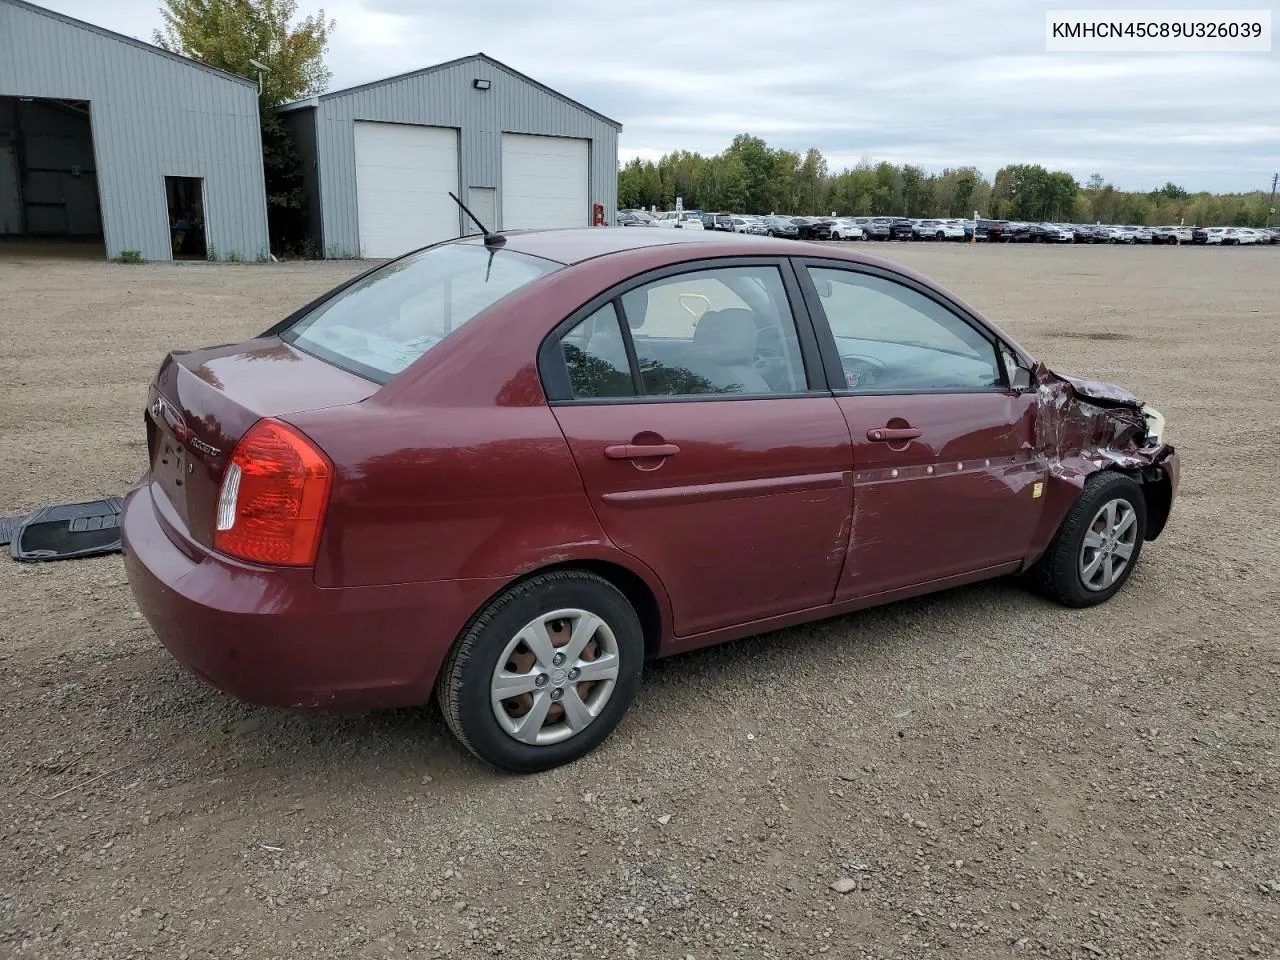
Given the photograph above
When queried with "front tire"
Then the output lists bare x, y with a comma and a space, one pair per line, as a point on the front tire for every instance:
544, 673
1098, 544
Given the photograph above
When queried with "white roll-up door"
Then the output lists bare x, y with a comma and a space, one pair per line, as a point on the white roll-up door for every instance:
404, 174
545, 181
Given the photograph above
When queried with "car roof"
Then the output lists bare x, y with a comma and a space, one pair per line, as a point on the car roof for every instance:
575, 245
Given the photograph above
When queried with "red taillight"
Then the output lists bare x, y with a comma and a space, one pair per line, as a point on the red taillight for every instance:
273, 496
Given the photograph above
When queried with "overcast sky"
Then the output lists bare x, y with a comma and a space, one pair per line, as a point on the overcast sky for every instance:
933, 82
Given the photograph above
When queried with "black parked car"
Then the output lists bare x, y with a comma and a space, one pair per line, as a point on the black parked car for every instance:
814, 228
900, 228
990, 230
1051, 233
1016, 231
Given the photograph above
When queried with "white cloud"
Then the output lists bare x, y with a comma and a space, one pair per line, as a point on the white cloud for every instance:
933, 82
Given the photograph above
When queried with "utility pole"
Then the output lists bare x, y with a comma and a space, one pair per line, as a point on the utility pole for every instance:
1271, 207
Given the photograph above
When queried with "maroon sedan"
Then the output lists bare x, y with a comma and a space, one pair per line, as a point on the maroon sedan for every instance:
510, 470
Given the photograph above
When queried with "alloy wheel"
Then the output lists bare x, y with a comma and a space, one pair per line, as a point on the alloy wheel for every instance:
1108, 545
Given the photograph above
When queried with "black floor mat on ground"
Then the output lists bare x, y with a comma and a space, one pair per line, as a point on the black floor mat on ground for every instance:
9, 527
69, 530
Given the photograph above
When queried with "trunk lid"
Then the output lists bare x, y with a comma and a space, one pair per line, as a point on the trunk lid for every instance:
203, 401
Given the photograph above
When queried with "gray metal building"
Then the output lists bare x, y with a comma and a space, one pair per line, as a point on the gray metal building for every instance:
102, 135
380, 159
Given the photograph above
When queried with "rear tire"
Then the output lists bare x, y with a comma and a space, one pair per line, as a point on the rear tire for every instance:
1091, 558
490, 653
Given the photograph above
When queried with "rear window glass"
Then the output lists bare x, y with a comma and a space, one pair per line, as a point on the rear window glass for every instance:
383, 323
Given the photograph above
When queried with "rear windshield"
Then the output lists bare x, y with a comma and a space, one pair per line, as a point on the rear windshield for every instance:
381, 324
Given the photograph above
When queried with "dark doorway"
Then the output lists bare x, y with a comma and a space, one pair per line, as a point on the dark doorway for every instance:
48, 175
186, 217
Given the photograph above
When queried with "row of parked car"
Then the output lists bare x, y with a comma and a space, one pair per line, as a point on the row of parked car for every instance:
907, 228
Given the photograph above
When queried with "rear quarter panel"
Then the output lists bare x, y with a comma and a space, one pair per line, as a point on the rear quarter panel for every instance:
445, 493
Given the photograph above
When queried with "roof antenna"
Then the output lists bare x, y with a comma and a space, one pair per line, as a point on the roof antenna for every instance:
490, 239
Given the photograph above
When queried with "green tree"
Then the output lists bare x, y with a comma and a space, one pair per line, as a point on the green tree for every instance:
888, 194
786, 163
630, 177
811, 182
759, 169
1060, 190
1171, 191
229, 35
749, 176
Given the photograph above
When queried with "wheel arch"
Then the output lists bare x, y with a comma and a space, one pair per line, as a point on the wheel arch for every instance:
642, 589
1157, 494
637, 591
1064, 488
1158, 491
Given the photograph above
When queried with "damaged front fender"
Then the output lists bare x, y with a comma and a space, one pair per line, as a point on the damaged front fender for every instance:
1083, 426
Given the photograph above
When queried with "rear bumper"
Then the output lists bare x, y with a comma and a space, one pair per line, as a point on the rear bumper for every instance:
269, 635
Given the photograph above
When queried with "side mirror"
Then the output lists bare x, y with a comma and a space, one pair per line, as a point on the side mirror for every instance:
1019, 376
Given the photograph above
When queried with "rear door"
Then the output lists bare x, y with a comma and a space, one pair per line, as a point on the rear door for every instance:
694, 404
947, 476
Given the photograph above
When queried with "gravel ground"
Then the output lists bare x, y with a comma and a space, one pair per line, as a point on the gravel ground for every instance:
978, 773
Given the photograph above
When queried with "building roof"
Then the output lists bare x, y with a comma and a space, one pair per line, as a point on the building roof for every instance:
111, 35
475, 57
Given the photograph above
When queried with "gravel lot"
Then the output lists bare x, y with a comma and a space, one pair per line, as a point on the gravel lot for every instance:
988, 774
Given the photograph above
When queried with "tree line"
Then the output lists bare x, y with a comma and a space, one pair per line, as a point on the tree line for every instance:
751, 177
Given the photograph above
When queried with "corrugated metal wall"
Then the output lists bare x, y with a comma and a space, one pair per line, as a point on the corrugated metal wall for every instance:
446, 98
153, 116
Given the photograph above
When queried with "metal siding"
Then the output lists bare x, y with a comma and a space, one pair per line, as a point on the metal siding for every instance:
446, 98
152, 116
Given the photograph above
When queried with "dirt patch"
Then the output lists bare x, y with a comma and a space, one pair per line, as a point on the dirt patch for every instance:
991, 775
1089, 335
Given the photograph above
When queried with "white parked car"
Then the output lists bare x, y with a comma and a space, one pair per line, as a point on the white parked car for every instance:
678, 219
1226, 236
845, 228
1171, 235
746, 224
946, 230
1248, 236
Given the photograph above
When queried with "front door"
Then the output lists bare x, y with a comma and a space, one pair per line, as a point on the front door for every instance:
704, 451
947, 476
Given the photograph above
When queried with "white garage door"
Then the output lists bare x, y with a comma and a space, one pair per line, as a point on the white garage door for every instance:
544, 182
404, 174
